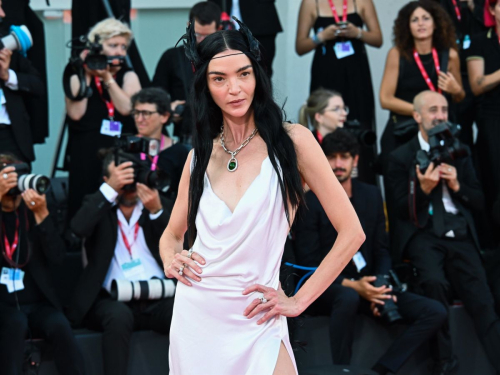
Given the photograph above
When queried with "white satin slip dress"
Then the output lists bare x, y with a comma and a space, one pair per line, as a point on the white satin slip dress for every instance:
209, 334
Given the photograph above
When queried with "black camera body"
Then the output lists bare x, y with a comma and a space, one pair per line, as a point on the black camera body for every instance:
365, 137
27, 180
389, 311
128, 148
444, 146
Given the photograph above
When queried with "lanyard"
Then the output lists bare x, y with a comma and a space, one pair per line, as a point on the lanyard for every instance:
457, 9
125, 240
424, 72
109, 104
334, 11
154, 161
10, 248
320, 137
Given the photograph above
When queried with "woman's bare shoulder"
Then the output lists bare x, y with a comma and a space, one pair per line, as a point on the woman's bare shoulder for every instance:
300, 135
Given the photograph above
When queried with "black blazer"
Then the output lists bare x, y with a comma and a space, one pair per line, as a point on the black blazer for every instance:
30, 86
401, 162
315, 235
46, 248
97, 222
260, 16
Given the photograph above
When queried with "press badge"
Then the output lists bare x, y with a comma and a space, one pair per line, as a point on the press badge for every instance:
12, 278
343, 49
466, 44
359, 261
111, 128
133, 269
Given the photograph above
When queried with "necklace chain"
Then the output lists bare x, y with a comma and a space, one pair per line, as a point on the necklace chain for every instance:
232, 165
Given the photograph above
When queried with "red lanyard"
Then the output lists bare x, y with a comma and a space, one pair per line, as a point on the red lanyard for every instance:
154, 161
10, 249
457, 9
109, 105
125, 240
424, 72
334, 11
320, 137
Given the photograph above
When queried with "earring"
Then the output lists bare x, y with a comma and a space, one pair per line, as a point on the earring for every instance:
354, 172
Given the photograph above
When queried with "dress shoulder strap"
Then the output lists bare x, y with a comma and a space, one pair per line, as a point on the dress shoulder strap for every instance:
317, 9
355, 6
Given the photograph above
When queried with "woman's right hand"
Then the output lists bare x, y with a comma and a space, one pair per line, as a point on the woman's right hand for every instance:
329, 33
182, 261
7, 183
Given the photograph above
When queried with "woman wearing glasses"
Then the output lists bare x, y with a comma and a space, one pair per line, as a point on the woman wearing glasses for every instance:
95, 121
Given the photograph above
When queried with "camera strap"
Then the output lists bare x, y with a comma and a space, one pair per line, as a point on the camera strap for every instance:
334, 11
125, 239
11, 248
457, 10
109, 104
424, 72
412, 198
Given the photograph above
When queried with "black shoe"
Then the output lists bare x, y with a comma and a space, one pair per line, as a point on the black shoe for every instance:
445, 367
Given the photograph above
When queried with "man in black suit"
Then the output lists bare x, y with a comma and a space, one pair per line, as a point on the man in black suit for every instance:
122, 228
19, 82
29, 306
353, 291
435, 229
174, 72
262, 19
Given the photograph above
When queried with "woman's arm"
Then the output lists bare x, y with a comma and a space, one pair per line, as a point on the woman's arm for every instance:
317, 173
389, 84
373, 35
451, 82
307, 16
479, 82
121, 96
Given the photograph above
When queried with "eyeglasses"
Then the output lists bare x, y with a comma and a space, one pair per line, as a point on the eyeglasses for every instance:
338, 109
145, 114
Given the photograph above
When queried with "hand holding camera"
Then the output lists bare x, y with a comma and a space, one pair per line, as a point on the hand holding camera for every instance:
5, 56
8, 180
36, 203
120, 175
370, 292
449, 174
150, 198
430, 179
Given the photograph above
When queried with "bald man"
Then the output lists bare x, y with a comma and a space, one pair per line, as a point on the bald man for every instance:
435, 231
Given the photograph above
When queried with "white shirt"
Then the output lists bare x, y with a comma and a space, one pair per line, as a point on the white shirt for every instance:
235, 11
13, 84
139, 248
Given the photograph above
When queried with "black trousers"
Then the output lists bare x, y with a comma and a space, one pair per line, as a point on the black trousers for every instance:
117, 321
268, 44
445, 266
44, 321
423, 315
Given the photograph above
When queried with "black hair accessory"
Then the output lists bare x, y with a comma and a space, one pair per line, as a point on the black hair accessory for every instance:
253, 44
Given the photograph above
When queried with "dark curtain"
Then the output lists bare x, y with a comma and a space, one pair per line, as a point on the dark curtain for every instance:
86, 13
18, 12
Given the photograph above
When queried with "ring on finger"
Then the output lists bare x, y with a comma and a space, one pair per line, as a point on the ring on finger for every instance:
190, 253
181, 270
32, 203
263, 299
5, 176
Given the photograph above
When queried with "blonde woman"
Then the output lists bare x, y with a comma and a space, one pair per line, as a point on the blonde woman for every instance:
94, 121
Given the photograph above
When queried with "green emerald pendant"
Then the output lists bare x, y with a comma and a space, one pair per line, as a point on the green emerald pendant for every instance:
232, 165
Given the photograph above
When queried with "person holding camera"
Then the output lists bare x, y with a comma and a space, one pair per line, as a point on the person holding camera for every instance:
435, 229
354, 290
19, 81
29, 307
174, 72
151, 111
95, 120
122, 223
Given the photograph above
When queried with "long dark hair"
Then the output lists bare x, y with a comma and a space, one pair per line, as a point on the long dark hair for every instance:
443, 37
208, 120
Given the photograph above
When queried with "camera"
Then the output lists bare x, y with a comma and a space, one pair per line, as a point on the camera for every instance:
95, 60
26, 181
127, 148
125, 290
444, 146
365, 137
342, 24
19, 39
389, 311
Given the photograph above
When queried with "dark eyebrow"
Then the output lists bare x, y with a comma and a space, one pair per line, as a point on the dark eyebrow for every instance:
244, 68
217, 73
239, 70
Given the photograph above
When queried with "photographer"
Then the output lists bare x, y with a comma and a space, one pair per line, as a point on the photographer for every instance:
94, 121
19, 81
435, 230
174, 72
151, 111
353, 291
122, 223
29, 307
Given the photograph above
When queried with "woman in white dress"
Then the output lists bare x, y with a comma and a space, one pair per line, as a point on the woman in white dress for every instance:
238, 196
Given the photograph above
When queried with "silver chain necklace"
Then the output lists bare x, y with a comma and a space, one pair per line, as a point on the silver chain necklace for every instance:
232, 164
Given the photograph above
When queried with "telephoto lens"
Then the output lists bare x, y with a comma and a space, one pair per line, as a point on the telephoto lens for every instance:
388, 311
27, 180
125, 290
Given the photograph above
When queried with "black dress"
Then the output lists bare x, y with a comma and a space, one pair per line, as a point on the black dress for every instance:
351, 77
84, 142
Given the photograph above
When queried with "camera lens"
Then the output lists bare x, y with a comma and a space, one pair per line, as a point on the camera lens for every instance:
37, 182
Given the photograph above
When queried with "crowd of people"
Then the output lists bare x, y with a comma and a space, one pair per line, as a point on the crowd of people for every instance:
438, 212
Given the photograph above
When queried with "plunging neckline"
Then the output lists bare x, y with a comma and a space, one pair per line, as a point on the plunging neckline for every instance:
244, 194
